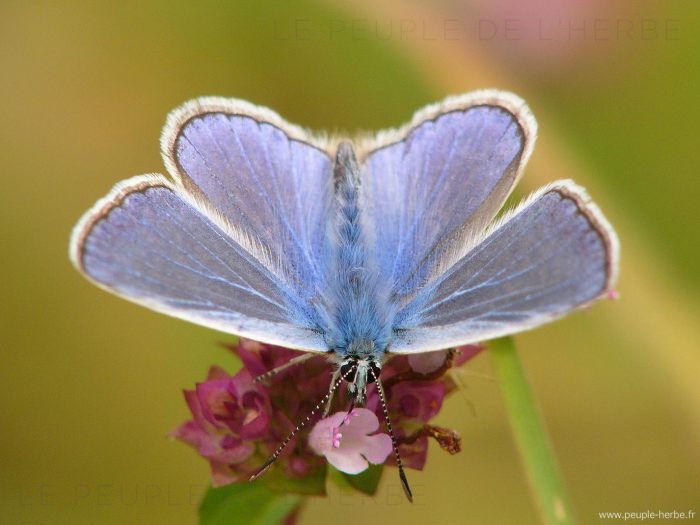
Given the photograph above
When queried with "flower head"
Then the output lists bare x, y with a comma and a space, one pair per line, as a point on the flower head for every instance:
237, 423
229, 414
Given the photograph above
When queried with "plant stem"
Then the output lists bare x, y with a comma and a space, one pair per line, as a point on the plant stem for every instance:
535, 449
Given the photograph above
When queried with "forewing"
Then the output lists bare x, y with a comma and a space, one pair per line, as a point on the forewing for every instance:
149, 242
268, 178
431, 187
554, 254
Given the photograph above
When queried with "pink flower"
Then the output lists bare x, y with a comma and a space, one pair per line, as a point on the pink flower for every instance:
237, 423
345, 440
229, 415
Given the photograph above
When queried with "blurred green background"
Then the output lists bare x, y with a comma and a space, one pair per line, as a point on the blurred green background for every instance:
90, 385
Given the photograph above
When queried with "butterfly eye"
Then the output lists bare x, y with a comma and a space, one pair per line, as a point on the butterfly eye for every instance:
348, 369
374, 371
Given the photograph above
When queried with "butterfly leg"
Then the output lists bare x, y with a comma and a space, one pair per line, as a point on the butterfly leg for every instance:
335, 377
294, 361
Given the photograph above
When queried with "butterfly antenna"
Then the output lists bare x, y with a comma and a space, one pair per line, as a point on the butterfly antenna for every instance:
402, 474
294, 361
294, 432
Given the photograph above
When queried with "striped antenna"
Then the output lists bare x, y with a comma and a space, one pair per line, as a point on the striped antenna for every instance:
294, 432
402, 474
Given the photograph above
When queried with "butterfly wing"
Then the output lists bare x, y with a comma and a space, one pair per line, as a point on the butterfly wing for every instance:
236, 243
428, 186
268, 178
553, 254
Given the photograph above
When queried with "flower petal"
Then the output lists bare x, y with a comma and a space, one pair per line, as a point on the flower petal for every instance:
323, 434
417, 400
359, 422
466, 353
212, 396
350, 463
378, 448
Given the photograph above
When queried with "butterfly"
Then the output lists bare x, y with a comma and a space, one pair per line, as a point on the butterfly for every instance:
387, 244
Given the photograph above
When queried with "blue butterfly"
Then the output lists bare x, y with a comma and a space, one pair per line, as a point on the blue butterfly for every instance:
388, 244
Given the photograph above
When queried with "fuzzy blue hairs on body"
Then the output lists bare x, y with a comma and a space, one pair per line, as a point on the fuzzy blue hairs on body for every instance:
360, 316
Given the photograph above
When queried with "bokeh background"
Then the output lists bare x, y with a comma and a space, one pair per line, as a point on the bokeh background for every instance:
90, 385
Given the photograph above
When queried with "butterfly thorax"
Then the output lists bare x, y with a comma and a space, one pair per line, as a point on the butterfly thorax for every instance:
358, 312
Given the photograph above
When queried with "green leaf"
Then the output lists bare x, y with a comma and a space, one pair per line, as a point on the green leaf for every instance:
246, 503
367, 481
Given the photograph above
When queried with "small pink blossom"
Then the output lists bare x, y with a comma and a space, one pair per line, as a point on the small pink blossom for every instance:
345, 440
427, 362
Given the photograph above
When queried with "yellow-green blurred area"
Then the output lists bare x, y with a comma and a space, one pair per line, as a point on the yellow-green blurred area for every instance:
90, 385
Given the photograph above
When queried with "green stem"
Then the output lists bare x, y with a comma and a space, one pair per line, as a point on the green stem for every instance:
535, 449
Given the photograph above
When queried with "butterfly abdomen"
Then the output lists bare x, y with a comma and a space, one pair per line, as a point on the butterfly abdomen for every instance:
356, 313
350, 252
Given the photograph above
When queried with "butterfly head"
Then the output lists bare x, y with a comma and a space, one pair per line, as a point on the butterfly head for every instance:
360, 367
